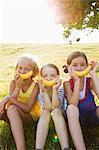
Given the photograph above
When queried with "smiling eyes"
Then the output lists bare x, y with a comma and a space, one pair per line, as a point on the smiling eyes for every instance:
76, 65
25, 69
51, 75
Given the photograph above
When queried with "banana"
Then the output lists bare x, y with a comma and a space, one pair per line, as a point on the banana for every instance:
84, 72
26, 75
46, 82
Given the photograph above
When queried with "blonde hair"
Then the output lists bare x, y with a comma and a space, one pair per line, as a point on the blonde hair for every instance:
51, 66
32, 59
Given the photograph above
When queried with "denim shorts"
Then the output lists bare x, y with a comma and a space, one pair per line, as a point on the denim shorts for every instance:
89, 119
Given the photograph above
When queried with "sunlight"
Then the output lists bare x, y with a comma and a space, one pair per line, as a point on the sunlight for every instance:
33, 21
29, 21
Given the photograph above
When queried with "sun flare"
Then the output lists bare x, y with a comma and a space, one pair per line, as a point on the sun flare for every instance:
29, 21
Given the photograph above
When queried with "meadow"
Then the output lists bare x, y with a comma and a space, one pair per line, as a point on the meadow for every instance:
43, 53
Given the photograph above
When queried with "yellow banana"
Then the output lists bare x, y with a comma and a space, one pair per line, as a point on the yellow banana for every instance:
46, 82
84, 72
26, 75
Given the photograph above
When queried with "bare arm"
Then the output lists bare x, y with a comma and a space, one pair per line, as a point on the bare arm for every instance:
72, 97
55, 97
13, 90
95, 80
27, 107
47, 101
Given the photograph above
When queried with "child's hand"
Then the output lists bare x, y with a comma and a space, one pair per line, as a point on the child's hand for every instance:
95, 65
3, 102
16, 76
18, 80
42, 87
71, 72
19, 83
12, 100
1, 108
58, 83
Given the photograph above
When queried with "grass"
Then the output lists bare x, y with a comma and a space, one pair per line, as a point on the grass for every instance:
45, 53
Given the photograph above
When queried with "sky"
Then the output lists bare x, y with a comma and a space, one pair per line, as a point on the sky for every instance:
31, 21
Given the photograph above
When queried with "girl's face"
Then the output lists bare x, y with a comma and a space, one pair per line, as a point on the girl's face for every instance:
24, 65
49, 73
78, 64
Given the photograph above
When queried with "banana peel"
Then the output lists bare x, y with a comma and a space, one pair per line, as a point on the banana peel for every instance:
46, 82
26, 75
84, 72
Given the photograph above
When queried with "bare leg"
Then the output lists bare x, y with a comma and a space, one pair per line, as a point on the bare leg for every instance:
15, 117
60, 126
97, 112
75, 128
42, 129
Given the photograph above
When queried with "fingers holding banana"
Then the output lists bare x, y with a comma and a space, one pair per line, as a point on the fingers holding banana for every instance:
42, 86
18, 80
25, 75
95, 68
58, 82
48, 83
71, 71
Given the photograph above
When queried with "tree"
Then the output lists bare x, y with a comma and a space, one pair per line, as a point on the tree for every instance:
76, 14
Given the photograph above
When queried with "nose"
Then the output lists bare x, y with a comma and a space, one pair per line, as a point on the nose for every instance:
22, 71
79, 68
48, 78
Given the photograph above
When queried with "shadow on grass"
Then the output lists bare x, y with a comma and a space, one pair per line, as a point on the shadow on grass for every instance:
7, 142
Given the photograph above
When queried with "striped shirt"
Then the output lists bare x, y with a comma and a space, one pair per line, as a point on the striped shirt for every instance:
61, 95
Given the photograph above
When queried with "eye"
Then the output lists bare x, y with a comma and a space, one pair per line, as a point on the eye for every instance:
74, 65
83, 64
19, 67
53, 75
27, 69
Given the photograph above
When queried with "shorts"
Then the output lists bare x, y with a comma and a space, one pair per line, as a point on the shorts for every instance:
89, 119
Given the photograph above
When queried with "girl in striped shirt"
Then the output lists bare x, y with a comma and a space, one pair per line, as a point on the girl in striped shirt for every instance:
53, 105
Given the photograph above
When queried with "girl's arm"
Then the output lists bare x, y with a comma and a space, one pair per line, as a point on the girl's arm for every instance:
72, 97
55, 98
14, 90
95, 85
7, 98
27, 107
47, 101
95, 80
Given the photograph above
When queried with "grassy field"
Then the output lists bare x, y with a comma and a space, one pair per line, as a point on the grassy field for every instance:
44, 54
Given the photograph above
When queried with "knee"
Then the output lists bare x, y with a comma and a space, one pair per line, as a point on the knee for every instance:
11, 110
72, 111
56, 113
45, 115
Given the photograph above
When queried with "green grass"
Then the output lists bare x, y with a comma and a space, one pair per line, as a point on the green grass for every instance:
45, 53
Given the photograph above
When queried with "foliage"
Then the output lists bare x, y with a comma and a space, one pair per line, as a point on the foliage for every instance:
78, 14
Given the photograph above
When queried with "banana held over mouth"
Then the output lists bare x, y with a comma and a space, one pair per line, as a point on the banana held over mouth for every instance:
84, 72
46, 82
26, 75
